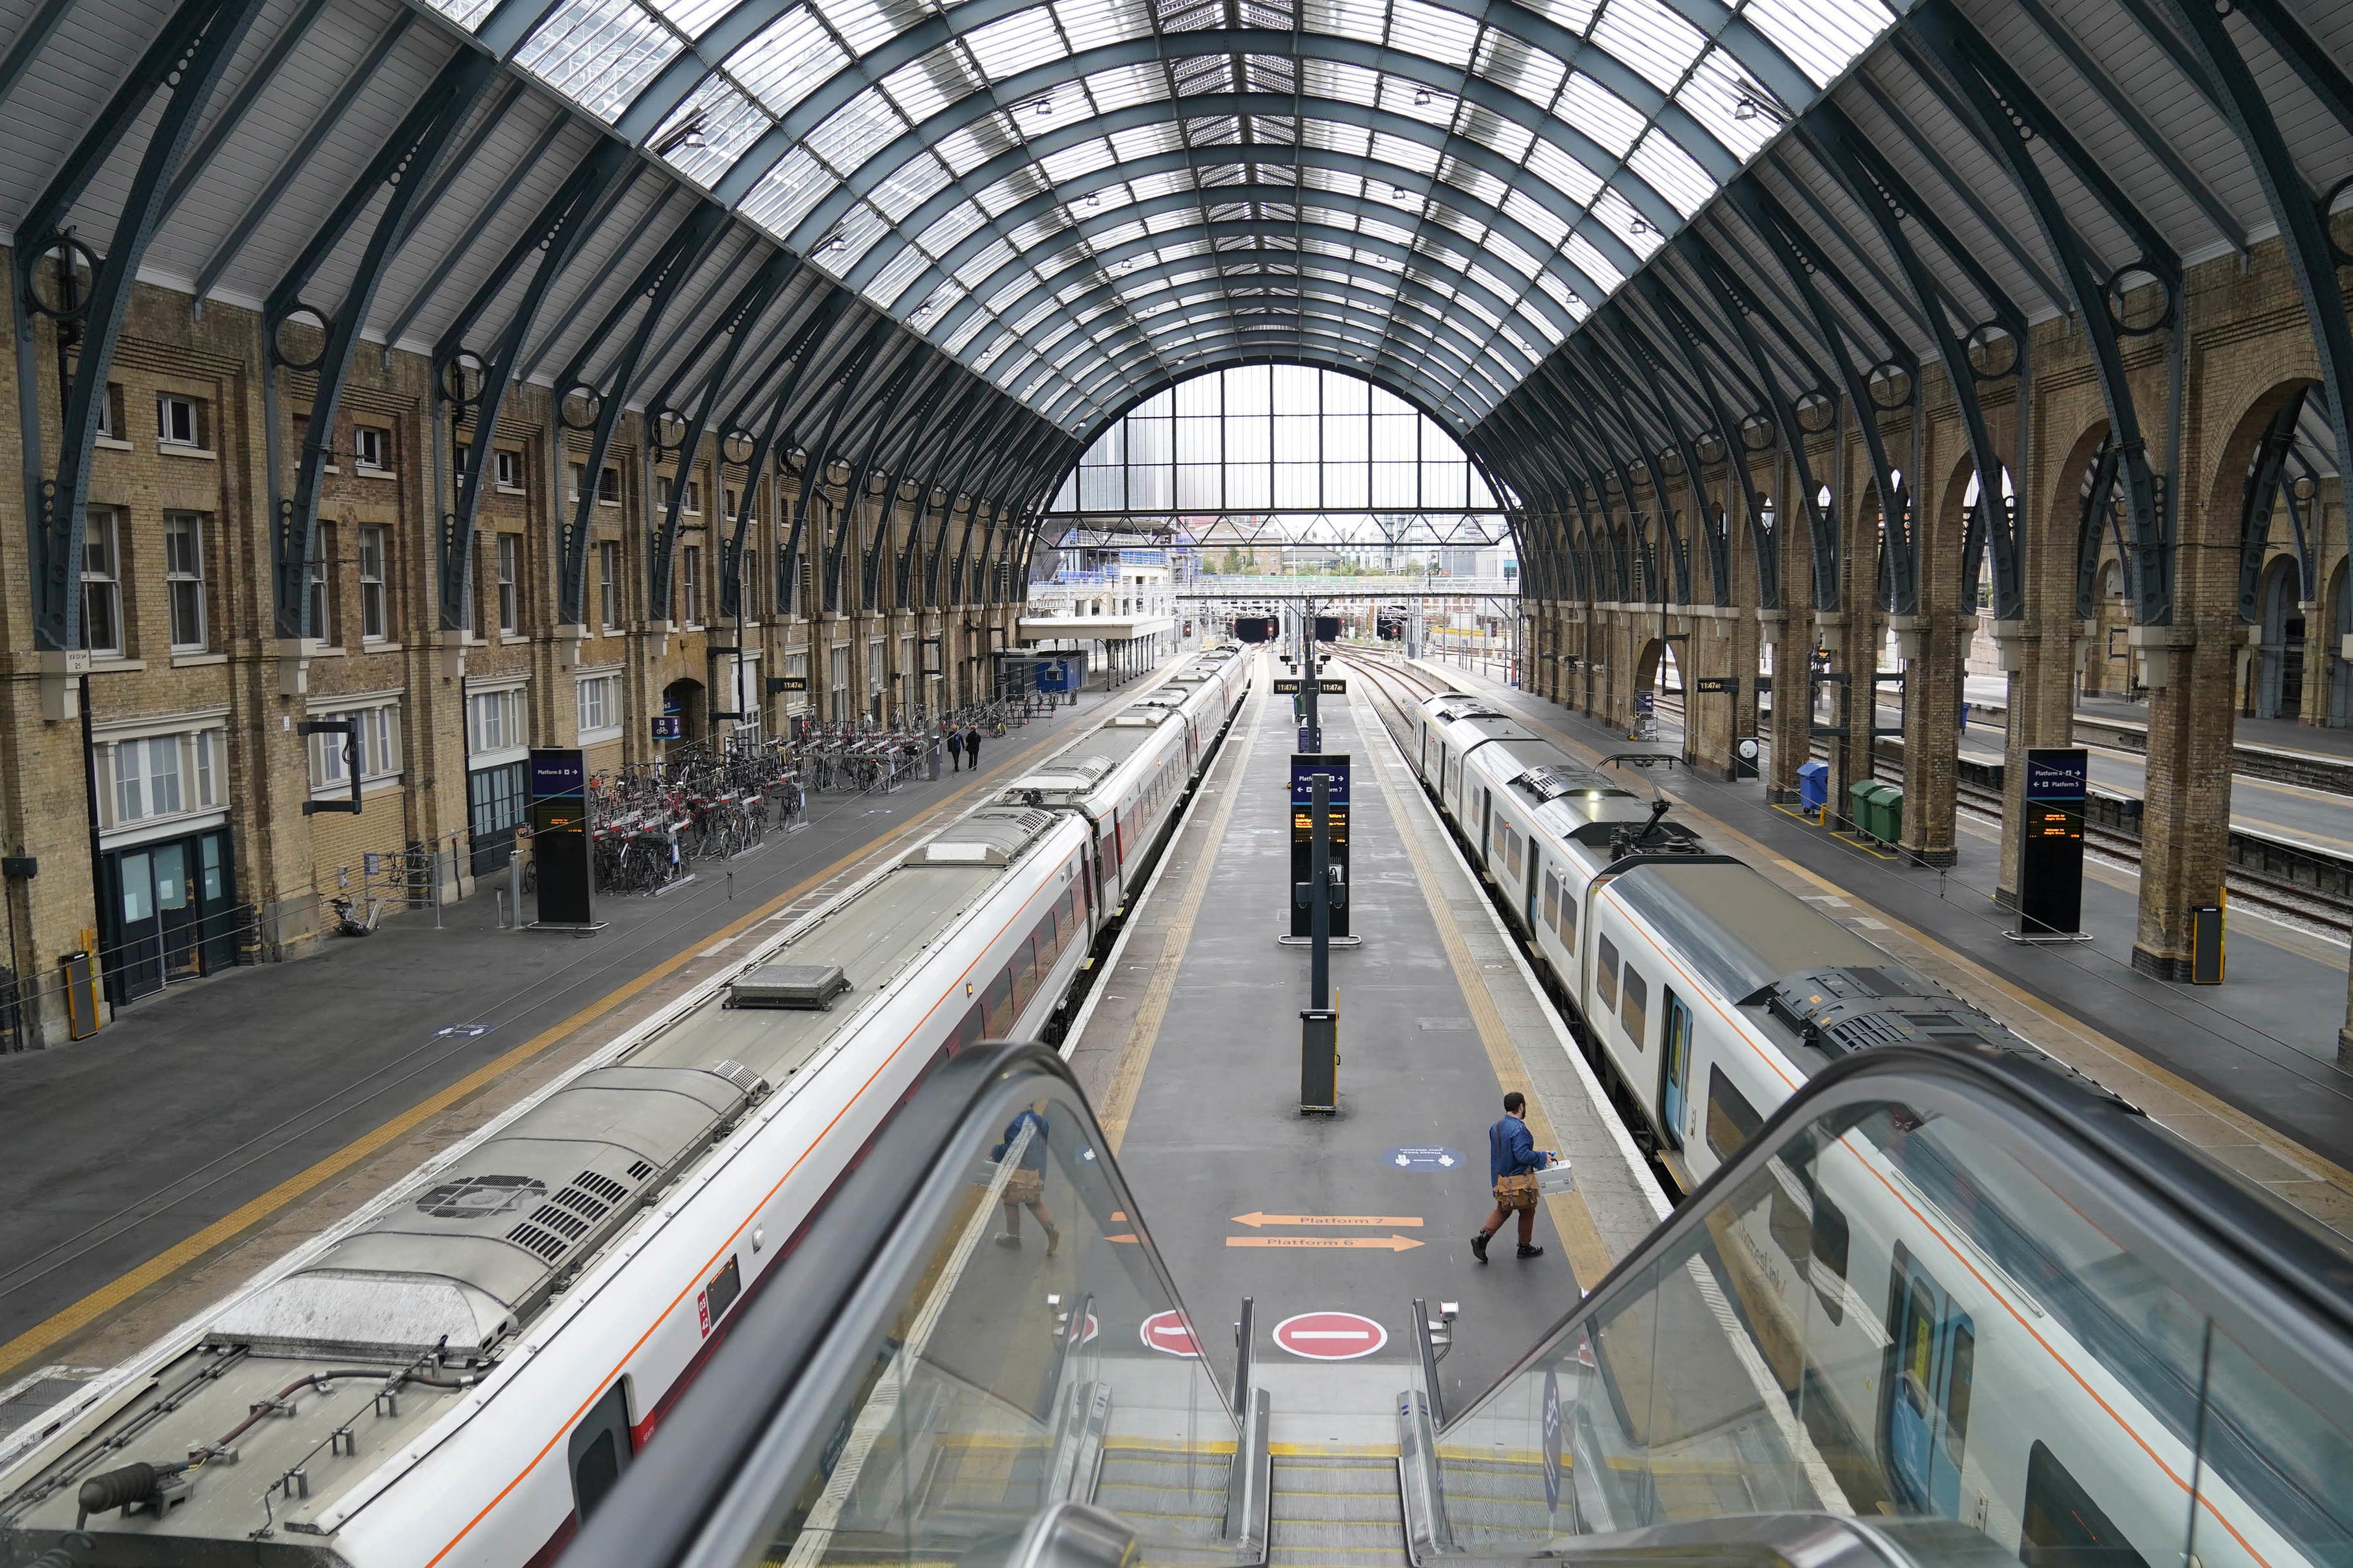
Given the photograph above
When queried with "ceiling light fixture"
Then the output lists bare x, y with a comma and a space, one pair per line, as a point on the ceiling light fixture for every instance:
1421, 97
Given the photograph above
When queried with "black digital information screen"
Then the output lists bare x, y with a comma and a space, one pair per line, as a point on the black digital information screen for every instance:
559, 835
1304, 766
2051, 841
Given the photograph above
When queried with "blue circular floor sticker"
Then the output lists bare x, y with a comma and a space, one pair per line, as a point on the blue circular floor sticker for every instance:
1424, 1158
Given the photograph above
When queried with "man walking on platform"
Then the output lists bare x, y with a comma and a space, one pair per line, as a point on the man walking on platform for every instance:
1511, 1164
955, 750
972, 746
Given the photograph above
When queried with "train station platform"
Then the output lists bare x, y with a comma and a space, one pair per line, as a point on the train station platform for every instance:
212, 1128
2246, 1070
1190, 1052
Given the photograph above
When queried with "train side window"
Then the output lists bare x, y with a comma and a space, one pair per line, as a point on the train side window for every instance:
1567, 916
600, 1449
2063, 1527
1552, 899
973, 1029
1605, 975
1634, 1008
1963, 1358
1731, 1119
1000, 1003
1831, 1238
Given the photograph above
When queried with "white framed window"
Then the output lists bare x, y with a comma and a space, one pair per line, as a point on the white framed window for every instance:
662, 491
183, 578
374, 611
496, 721
372, 447
608, 583
608, 484
179, 420
694, 497
109, 413
838, 667
377, 748
506, 468
599, 699
510, 566
796, 664
874, 670
730, 494
101, 581
151, 778
577, 475
323, 601
693, 586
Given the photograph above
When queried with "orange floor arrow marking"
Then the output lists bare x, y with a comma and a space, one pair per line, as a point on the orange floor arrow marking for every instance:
1255, 1219
1378, 1243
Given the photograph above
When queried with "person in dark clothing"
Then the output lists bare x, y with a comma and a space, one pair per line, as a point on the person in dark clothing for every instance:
1026, 1187
955, 750
1511, 1164
972, 746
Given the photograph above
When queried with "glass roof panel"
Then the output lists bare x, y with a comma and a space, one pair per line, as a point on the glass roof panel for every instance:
911, 185
725, 123
1428, 30
598, 53
787, 192
1656, 41
1586, 259
901, 269
692, 17
857, 131
950, 228
1820, 35
1617, 216
996, 254
782, 62
1672, 172
1014, 43
468, 13
923, 86
1723, 96
1600, 113
1092, 24
1574, 15
865, 24
1562, 170
1124, 86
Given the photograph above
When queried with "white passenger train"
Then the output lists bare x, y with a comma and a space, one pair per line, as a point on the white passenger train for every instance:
1882, 1287
457, 1373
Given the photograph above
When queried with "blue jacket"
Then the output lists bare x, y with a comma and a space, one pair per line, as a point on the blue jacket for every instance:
1033, 1154
1510, 1151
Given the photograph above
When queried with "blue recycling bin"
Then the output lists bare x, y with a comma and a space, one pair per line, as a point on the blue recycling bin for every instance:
1813, 786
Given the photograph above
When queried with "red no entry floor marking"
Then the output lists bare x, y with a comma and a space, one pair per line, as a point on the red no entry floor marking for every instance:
1330, 1336
1170, 1334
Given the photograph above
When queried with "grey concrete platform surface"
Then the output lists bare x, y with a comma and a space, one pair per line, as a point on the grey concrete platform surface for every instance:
1191, 1055
2246, 1071
199, 1115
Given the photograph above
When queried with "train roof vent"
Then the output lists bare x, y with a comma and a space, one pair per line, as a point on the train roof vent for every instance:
993, 835
1139, 719
1841, 1011
810, 988
467, 1258
1550, 781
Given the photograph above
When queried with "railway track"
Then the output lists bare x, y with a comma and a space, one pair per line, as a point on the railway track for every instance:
2303, 907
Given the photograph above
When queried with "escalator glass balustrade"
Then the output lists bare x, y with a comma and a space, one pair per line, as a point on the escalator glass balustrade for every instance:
1935, 1292
974, 1333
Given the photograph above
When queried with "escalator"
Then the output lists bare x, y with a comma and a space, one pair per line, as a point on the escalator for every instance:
1941, 1309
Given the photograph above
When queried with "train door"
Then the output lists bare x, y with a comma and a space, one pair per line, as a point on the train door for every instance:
1528, 900
1674, 1076
1927, 1389
600, 1450
1486, 825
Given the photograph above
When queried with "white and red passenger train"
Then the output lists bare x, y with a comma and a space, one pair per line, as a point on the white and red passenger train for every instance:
1995, 1359
452, 1375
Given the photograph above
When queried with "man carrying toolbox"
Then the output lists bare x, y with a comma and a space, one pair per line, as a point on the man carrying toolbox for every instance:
1513, 1161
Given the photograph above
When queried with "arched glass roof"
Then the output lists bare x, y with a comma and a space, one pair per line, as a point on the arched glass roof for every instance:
1074, 196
